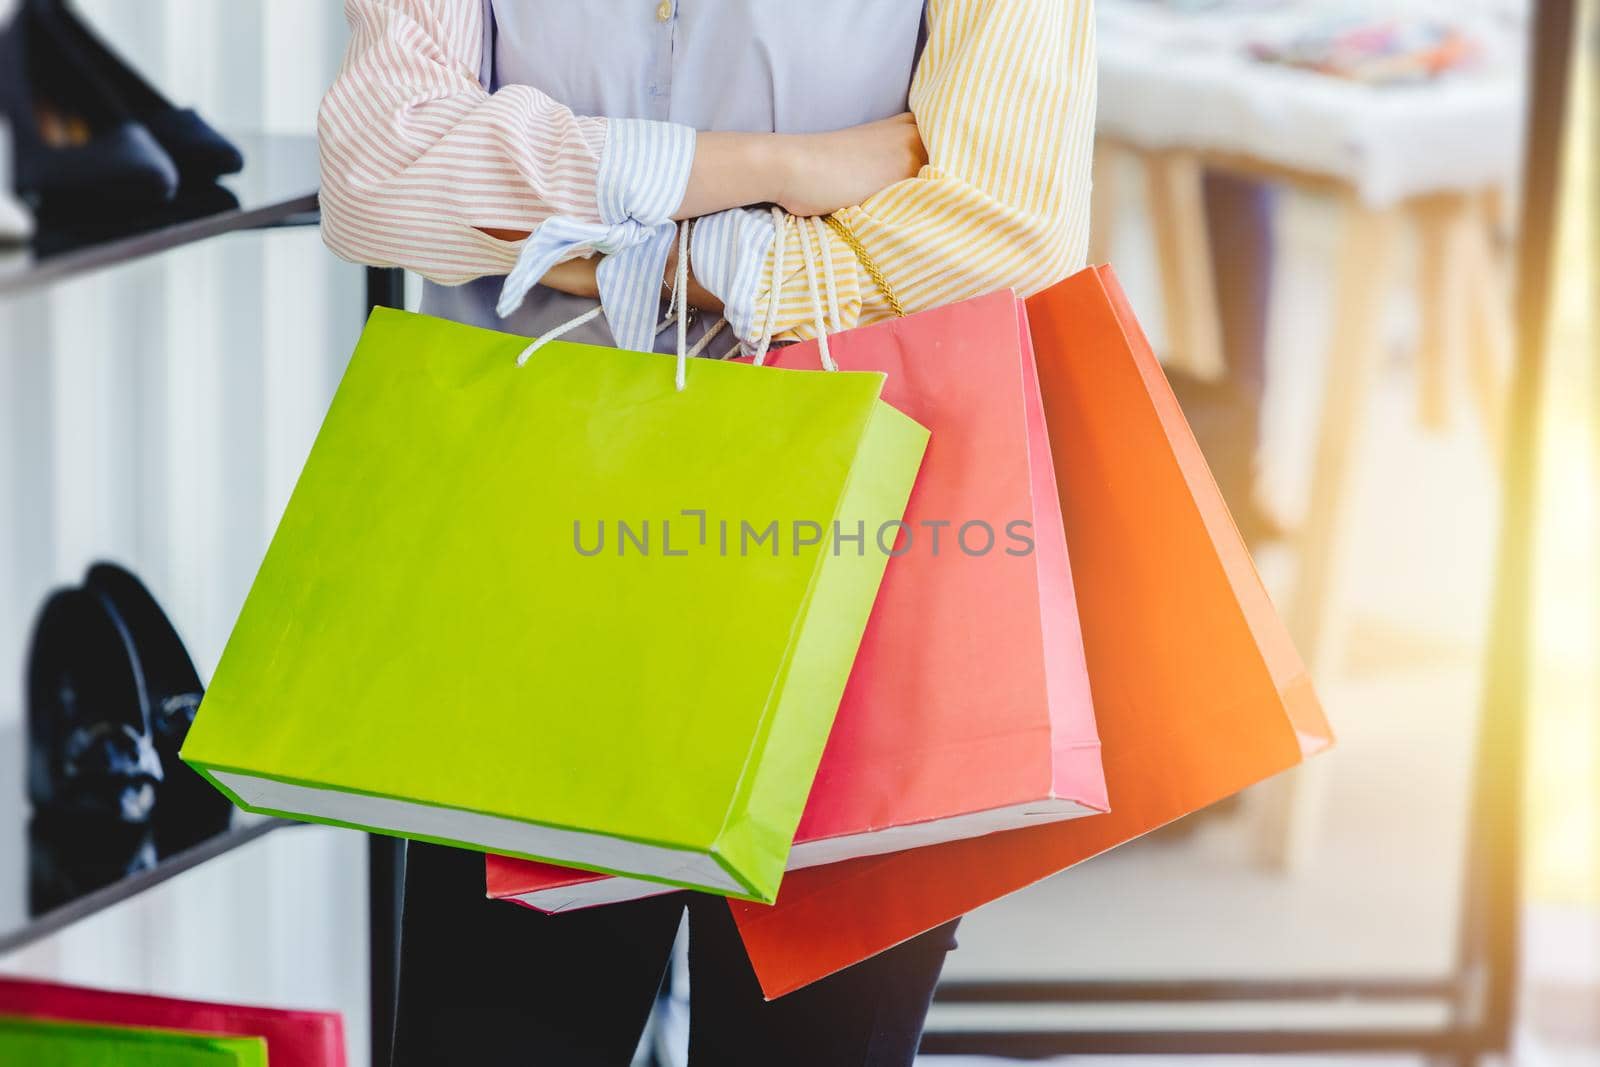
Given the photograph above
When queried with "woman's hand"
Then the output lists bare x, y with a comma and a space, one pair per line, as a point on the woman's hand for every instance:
575, 277
825, 172
804, 173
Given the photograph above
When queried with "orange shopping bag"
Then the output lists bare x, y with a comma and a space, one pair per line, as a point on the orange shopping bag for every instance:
1197, 689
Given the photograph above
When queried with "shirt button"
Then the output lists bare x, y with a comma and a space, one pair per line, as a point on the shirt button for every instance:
664, 11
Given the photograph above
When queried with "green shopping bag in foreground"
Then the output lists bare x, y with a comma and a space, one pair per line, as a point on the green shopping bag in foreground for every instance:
46, 1043
565, 610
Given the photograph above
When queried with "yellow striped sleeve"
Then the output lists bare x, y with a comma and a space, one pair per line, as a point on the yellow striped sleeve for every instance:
1004, 98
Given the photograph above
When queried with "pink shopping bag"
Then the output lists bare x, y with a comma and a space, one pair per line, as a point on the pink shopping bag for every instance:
1199, 690
968, 709
294, 1038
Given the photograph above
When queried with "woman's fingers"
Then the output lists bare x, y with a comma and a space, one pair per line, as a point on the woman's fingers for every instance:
845, 167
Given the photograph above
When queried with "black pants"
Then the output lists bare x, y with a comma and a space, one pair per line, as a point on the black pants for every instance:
486, 982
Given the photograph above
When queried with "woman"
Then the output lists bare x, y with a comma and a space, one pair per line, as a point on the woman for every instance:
529, 157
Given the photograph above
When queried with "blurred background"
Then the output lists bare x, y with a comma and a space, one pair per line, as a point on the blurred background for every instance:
1317, 208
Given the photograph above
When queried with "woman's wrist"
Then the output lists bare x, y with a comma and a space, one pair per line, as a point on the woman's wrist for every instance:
805, 173
699, 296
575, 277
778, 164
578, 277
737, 169
793, 155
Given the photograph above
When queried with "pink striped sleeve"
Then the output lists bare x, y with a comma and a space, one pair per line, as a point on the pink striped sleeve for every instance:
417, 157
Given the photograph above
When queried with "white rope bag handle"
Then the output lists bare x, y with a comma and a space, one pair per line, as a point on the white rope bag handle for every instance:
678, 313
834, 320
560, 331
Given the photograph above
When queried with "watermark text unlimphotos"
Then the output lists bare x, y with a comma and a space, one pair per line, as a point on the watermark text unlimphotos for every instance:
694, 531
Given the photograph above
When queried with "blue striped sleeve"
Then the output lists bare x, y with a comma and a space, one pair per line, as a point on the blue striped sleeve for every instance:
727, 252
644, 170
643, 174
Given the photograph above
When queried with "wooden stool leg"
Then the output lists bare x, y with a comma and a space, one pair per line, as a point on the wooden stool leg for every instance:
1361, 289
1489, 342
1104, 201
1440, 294
1463, 308
1188, 291
1293, 803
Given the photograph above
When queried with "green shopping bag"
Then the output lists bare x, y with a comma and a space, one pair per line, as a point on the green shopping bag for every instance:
43, 1043
563, 610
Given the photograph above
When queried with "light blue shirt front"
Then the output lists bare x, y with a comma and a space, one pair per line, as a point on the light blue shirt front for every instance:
774, 66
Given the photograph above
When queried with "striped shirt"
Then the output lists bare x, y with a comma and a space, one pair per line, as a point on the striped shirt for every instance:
430, 136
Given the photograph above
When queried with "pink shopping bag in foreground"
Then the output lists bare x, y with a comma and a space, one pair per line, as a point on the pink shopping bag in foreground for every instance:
294, 1038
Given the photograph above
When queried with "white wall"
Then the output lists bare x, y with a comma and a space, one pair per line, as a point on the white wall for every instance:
158, 414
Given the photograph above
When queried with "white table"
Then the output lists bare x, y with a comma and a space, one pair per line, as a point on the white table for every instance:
1171, 79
